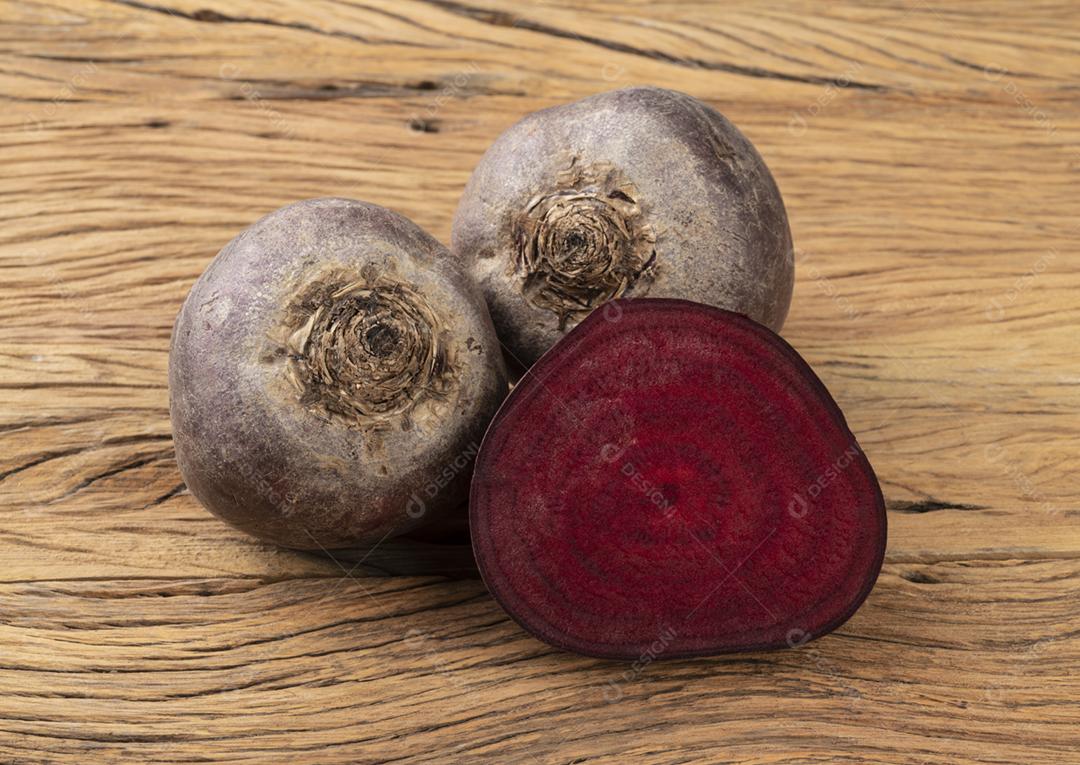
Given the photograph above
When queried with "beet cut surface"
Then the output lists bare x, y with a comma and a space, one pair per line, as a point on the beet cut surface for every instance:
672, 479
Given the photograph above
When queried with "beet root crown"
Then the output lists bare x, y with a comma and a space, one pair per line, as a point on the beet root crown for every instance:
331, 374
636, 192
673, 480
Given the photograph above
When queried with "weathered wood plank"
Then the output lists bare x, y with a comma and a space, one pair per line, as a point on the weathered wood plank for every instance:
928, 158
963, 662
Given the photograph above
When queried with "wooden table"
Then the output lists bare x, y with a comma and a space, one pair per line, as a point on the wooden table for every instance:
929, 159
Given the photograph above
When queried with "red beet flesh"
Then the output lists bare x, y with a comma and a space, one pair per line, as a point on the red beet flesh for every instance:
672, 479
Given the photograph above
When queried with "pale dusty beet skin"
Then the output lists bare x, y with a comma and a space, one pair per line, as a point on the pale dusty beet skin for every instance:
632, 193
672, 479
331, 375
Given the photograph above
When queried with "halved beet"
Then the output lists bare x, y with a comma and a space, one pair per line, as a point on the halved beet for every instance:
672, 479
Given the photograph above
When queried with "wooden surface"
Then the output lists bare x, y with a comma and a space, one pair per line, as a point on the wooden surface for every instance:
929, 158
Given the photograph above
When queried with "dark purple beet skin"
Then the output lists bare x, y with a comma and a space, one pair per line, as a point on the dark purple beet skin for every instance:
673, 479
330, 376
636, 192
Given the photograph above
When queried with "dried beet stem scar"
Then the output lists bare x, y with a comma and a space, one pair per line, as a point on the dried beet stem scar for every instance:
672, 479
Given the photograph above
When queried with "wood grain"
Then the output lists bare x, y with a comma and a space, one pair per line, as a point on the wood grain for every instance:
928, 156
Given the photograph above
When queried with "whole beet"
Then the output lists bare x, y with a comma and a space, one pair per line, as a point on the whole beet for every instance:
331, 375
634, 192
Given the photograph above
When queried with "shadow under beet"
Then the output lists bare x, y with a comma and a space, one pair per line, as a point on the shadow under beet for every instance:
443, 549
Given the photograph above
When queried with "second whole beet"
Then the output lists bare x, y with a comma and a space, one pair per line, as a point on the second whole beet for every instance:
636, 192
331, 375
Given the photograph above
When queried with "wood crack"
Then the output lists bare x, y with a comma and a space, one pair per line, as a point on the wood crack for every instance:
929, 505
503, 19
174, 491
215, 17
113, 471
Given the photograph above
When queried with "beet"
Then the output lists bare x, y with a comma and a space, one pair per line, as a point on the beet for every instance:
673, 479
636, 192
331, 375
